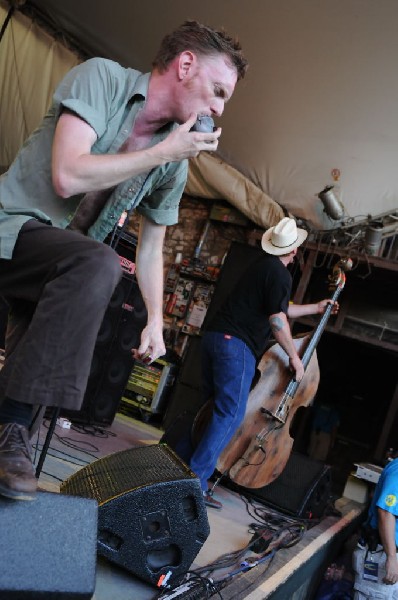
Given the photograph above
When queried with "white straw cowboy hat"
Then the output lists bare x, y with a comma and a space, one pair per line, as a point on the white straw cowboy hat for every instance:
283, 237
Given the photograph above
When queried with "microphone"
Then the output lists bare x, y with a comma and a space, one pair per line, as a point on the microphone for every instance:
203, 124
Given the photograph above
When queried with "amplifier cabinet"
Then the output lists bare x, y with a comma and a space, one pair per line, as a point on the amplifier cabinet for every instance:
148, 386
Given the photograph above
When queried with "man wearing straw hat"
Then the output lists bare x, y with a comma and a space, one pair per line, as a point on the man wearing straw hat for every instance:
236, 338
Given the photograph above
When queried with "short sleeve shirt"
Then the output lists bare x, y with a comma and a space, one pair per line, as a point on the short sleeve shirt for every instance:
263, 290
108, 97
386, 495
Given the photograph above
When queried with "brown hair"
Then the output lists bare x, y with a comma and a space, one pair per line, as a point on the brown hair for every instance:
200, 39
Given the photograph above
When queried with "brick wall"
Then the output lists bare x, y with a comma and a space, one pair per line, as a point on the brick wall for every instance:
185, 235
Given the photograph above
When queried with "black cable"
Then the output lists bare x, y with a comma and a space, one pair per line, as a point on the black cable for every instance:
77, 445
291, 530
270, 516
68, 458
248, 565
74, 444
94, 430
82, 462
226, 560
208, 584
67, 442
282, 532
191, 586
53, 476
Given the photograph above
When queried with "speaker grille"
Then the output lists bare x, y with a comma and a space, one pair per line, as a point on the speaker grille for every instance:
124, 471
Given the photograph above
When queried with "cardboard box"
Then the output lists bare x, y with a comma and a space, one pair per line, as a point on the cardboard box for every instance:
356, 489
368, 471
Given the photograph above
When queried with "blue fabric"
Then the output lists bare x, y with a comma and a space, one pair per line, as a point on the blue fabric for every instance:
386, 495
228, 367
335, 590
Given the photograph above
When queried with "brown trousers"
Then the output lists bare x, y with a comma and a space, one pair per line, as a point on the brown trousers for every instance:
58, 285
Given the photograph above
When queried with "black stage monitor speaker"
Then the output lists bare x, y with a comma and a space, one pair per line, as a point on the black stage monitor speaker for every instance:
152, 519
303, 489
112, 361
48, 548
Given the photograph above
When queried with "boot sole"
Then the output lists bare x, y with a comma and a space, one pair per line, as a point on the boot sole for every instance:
14, 495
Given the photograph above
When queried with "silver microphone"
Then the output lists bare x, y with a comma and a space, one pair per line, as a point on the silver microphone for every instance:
203, 124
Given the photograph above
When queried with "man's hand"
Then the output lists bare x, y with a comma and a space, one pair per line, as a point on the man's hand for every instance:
323, 304
295, 311
183, 143
152, 344
391, 575
296, 367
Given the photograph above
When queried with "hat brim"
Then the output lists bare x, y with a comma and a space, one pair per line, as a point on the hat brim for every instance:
268, 246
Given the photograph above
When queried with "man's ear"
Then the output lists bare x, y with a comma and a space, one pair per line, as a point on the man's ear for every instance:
186, 62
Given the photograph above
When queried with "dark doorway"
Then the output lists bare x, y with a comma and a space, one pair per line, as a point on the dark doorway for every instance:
358, 381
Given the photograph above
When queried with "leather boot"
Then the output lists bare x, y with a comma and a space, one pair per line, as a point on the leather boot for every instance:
17, 478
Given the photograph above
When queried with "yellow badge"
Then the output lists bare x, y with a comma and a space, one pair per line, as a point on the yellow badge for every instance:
391, 500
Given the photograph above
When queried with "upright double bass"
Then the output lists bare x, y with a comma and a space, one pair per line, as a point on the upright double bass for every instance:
260, 448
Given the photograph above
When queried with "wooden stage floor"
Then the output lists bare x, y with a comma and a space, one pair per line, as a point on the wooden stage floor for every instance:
292, 574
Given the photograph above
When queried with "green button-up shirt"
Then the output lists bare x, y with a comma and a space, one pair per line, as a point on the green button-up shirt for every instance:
108, 97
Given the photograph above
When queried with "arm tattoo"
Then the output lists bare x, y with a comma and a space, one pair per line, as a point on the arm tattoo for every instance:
276, 324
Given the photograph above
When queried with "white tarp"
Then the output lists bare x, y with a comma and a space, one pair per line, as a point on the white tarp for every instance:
210, 177
321, 92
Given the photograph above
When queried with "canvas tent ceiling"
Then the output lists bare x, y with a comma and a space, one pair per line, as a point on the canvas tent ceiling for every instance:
321, 92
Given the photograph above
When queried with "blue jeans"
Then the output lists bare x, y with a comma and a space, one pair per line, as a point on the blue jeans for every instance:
228, 367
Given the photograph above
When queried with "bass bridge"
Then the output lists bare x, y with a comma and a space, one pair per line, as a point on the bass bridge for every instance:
281, 412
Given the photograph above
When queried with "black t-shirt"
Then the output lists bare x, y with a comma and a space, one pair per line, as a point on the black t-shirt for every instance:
262, 291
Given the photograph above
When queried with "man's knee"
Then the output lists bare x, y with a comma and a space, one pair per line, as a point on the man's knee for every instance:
109, 262
104, 265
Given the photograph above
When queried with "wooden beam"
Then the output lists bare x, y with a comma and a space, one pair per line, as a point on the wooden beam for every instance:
305, 278
382, 263
338, 323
